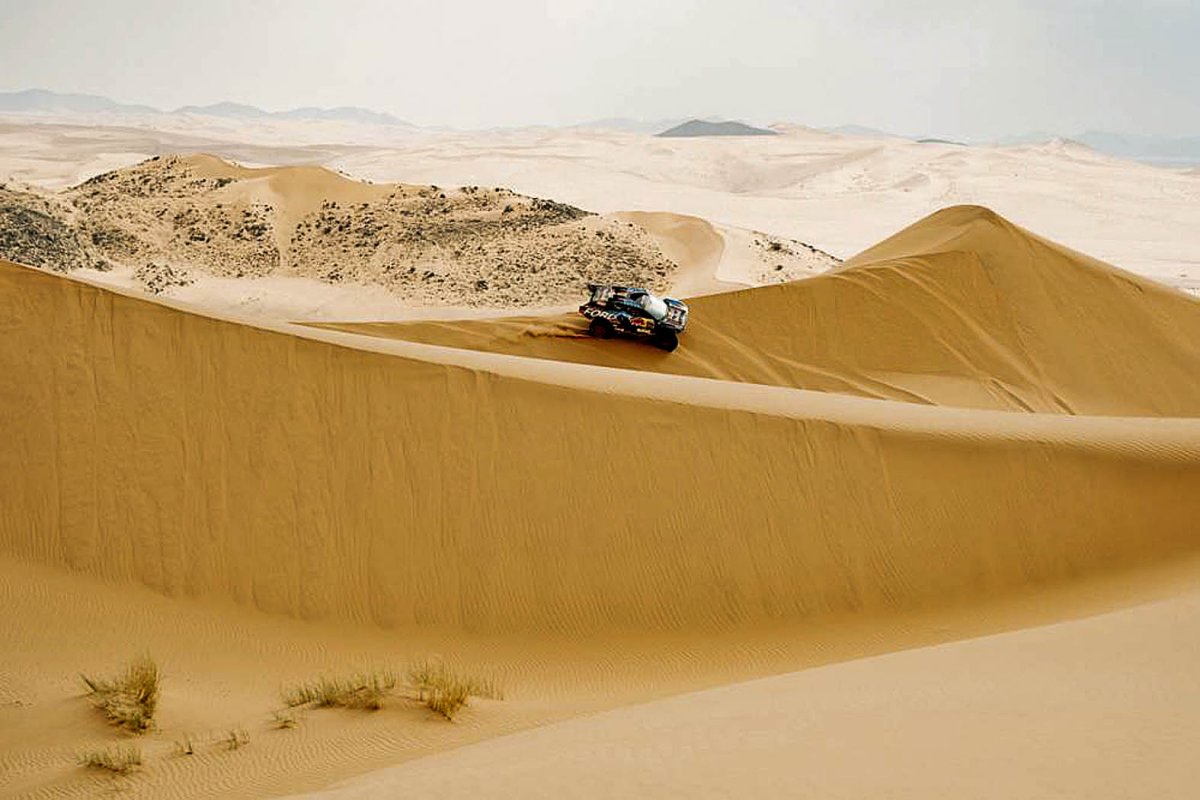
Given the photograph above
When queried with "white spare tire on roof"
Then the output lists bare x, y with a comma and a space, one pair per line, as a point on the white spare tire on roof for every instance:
654, 306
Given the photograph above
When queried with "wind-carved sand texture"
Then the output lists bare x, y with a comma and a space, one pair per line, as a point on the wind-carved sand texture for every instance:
173, 218
964, 430
962, 309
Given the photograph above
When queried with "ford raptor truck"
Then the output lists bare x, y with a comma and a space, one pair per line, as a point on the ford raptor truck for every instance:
636, 313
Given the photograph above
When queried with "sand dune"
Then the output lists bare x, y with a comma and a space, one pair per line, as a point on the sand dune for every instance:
960, 309
576, 523
839, 193
176, 460
175, 219
719, 258
298, 242
1058, 712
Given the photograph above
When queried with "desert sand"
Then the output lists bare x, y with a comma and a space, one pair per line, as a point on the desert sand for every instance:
305, 240
932, 511
1059, 711
839, 193
995, 313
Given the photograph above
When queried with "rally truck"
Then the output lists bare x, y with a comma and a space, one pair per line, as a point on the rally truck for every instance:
636, 313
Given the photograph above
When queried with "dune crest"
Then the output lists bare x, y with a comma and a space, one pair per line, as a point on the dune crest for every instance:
960, 309
323, 475
604, 536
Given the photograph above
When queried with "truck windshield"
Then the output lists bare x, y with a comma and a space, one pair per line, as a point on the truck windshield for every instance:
653, 306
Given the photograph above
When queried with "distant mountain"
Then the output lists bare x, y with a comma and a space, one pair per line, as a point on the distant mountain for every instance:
45, 102
628, 125
225, 110
1161, 150
875, 133
700, 127
40, 101
363, 116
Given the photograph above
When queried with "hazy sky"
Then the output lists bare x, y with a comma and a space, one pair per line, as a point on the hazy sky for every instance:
948, 67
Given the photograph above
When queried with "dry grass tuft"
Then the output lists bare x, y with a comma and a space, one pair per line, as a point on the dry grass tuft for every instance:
129, 699
184, 745
285, 719
365, 690
445, 691
236, 739
430, 682
119, 759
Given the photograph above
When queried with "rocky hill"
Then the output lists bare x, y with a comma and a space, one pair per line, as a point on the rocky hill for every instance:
174, 217
700, 127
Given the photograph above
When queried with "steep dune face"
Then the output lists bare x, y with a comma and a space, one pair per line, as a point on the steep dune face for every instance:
691, 242
323, 475
1063, 330
961, 309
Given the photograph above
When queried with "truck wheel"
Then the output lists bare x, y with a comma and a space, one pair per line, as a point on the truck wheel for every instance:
601, 328
666, 340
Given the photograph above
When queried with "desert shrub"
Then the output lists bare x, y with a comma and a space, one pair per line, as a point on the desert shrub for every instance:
448, 698
445, 691
432, 683
130, 698
236, 739
119, 759
285, 719
364, 690
184, 745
